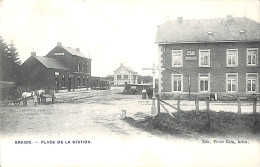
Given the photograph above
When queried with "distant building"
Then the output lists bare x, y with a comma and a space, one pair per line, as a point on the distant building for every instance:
209, 56
63, 68
124, 75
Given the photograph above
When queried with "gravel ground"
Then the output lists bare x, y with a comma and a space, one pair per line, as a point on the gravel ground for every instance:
95, 116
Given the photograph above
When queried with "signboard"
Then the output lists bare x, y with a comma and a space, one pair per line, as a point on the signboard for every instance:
58, 54
191, 58
191, 53
56, 73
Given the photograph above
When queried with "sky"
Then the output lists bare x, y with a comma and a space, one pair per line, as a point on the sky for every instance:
109, 32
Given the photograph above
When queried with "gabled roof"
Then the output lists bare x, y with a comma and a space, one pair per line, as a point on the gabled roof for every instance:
209, 30
126, 68
51, 63
74, 52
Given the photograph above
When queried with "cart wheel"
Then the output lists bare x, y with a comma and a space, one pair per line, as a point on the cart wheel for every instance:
17, 103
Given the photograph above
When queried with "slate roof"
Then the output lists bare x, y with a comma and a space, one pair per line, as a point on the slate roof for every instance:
51, 63
234, 29
74, 51
127, 68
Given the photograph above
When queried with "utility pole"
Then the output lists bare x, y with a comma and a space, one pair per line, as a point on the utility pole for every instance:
153, 108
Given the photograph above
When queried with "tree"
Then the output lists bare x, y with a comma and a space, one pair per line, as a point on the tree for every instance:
9, 62
110, 78
3, 58
145, 79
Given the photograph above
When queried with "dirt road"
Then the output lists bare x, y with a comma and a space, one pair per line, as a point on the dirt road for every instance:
92, 118
76, 113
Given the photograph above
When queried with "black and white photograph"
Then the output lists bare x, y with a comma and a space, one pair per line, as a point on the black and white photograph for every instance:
129, 83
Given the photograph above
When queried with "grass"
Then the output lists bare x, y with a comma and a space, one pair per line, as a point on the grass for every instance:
188, 123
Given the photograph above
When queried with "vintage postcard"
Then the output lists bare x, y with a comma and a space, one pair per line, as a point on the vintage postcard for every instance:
131, 83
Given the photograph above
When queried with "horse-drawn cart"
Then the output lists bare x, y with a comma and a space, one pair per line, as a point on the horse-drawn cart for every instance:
8, 93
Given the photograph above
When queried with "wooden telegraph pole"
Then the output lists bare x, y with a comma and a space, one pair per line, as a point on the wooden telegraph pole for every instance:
153, 108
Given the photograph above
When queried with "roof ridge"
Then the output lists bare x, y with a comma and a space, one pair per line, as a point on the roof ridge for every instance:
74, 51
219, 18
224, 29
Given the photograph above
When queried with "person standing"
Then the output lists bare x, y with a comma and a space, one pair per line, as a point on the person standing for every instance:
35, 97
148, 92
143, 94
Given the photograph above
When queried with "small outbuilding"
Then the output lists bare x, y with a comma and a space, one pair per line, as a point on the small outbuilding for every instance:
124, 75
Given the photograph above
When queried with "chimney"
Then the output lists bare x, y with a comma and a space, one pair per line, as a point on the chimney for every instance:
59, 44
77, 49
33, 54
179, 18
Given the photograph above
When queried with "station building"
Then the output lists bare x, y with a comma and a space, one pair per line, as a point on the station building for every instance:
62, 69
209, 56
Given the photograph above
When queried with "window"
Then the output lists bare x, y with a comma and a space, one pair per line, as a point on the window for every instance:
177, 58
232, 82
204, 82
79, 67
204, 58
252, 57
63, 81
251, 82
79, 84
82, 67
177, 83
232, 60
125, 76
118, 77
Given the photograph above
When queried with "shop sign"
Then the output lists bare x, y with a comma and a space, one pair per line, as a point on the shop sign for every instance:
191, 53
58, 54
191, 58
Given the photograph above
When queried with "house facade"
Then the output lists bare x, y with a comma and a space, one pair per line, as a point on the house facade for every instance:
63, 68
211, 56
124, 75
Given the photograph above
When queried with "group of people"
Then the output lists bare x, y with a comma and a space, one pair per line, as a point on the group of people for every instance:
148, 92
37, 95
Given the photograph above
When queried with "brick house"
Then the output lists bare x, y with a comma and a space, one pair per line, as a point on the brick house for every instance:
63, 68
209, 56
124, 75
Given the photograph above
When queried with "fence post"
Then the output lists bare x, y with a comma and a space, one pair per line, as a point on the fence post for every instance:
254, 105
254, 113
123, 114
197, 103
178, 102
158, 105
207, 110
179, 107
238, 105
